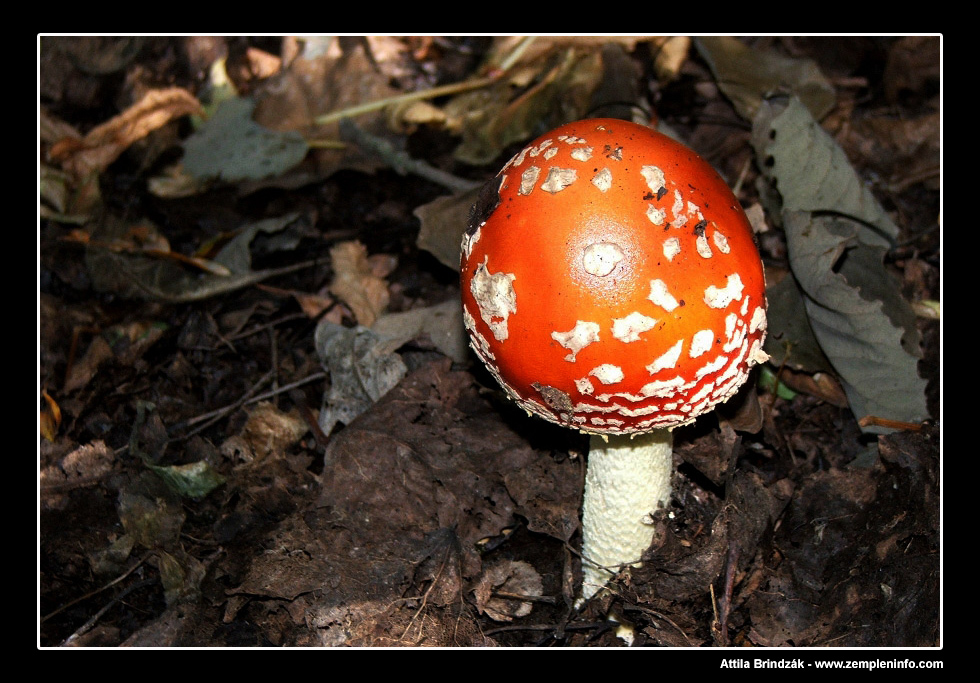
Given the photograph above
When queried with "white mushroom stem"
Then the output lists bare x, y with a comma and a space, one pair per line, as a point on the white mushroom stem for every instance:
627, 480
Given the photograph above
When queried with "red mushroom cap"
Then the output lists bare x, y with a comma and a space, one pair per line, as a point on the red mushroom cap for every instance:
610, 280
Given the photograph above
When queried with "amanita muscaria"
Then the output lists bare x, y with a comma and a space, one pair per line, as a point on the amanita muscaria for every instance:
611, 284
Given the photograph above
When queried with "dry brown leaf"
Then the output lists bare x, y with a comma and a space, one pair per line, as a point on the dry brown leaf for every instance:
104, 143
913, 61
261, 63
357, 283
442, 221
904, 151
315, 305
134, 339
82, 466
671, 53
500, 587
324, 78
269, 431
50, 417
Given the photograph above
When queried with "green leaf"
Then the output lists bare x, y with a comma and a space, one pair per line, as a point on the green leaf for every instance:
231, 146
194, 480
770, 382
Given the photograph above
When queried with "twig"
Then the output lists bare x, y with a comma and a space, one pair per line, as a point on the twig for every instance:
367, 107
450, 89
873, 421
87, 626
248, 399
400, 161
726, 597
657, 615
96, 591
520, 597
214, 285
425, 595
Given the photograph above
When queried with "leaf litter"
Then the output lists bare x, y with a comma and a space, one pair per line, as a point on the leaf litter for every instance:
233, 481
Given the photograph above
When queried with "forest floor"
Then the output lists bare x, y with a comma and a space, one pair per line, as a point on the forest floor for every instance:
260, 426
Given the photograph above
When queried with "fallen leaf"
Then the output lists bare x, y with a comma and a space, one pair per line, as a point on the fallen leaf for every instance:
126, 342
356, 282
193, 480
50, 417
85, 464
556, 89
442, 223
269, 432
103, 144
166, 276
837, 235
328, 75
232, 147
442, 324
361, 368
150, 513
499, 588
747, 76
860, 335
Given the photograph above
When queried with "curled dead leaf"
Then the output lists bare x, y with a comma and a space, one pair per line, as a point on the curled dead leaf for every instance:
50, 419
501, 586
822, 385
104, 143
269, 431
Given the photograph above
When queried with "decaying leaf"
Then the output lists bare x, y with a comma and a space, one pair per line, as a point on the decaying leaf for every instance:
331, 74
851, 541
178, 576
442, 223
126, 341
442, 324
232, 147
236, 255
193, 480
359, 281
50, 417
85, 465
836, 235
167, 276
747, 76
150, 513
103, 144
672, 52
791, 341
913, 62
811, 172
499, 589
268, 431
868, 350
361, 371
904, 150
511, 109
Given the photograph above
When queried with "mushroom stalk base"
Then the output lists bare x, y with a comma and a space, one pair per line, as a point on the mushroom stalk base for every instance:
627, 480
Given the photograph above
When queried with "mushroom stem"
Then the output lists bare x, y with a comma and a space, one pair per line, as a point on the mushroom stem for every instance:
627, 480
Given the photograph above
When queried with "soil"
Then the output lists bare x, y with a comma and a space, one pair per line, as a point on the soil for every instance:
190, 497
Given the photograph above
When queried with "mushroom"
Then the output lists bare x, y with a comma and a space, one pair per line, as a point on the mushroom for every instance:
611, 284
